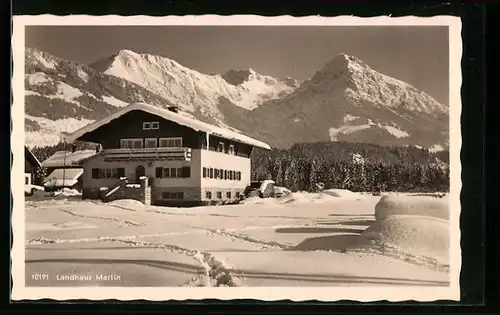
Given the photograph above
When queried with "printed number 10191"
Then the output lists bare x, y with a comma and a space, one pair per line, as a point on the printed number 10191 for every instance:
39, 276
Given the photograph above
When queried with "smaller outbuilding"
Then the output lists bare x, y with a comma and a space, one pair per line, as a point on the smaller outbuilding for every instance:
64, 169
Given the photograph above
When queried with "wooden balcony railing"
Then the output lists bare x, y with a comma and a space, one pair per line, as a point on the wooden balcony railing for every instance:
179, 154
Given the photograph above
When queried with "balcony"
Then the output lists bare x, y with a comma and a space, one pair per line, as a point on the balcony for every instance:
164, 153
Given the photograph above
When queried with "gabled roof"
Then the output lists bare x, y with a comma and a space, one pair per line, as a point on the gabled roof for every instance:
67, 158
174, 117
31, 158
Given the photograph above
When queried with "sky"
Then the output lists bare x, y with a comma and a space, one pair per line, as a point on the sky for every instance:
418, 55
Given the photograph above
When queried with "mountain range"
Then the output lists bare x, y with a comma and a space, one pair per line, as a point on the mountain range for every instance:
346, 100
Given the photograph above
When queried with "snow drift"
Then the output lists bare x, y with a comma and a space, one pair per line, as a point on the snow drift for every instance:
411, 228
424, 240
411, 205
302, 197
343, 193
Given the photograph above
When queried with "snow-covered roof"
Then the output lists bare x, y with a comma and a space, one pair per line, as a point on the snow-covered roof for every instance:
174, 117
63, 177
70, 173
67, 158
31, 157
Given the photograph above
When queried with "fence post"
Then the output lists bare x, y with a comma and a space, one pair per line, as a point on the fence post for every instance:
145, 190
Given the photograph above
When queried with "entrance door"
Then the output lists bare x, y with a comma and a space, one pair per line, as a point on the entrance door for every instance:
139, 171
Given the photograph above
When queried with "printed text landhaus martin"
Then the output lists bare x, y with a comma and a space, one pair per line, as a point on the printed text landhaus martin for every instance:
97, 277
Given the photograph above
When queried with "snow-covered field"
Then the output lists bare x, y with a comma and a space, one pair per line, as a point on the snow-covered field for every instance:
303, 239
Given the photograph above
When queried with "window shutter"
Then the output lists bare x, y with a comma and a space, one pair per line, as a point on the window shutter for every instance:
186, 171
121, 172
159, 172
95, 173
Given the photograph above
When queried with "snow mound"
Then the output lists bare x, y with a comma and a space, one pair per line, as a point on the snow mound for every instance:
281, 191
126, 203
330, 195
294, 198
390, 205
343, 193
419, 239
67, 192
258, 201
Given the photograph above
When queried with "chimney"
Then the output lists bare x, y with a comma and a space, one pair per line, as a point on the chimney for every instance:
174, 109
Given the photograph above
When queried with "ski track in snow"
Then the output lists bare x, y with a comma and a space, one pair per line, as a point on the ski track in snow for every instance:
121, 222
247, 239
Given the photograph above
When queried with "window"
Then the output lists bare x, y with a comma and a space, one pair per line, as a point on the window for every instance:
172, 195
238, 175
120, 172
173, 172
216, 173
228, 195
204, 172
211, 173
171, 142
108, 173
186, 171
230, 175
131, 143
150, 143
220, 147
26, 180
219, 195
221, 174
208, 194
231, 150
146, 125
225, 174
237, 194
155, 125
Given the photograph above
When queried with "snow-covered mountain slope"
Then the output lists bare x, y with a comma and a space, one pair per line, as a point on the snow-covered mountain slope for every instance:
62, 96
344, 101
349, 101
191, 90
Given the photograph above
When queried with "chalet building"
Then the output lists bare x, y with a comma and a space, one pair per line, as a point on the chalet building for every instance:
31, 164
187, 162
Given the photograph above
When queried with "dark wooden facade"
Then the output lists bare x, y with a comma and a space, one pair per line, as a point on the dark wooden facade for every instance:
130, 125
31, 164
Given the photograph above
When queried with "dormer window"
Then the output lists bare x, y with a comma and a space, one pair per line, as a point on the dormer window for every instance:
230, 150
155, 125
146, 126
220, 147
